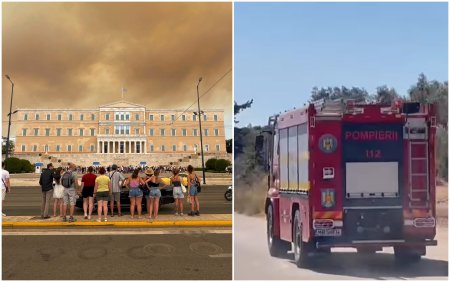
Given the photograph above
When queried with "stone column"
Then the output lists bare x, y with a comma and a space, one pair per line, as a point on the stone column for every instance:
135, 147
114, 147
98, 147
144, 145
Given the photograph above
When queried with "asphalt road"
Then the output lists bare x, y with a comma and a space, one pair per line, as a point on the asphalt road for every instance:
175, 254
252, 259
27, 201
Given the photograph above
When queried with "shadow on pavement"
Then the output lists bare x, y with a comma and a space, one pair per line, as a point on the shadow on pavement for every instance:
377, 266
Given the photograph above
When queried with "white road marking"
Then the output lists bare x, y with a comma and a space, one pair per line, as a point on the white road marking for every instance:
221, 256
116, 232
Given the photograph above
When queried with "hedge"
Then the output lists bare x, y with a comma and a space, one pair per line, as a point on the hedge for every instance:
211, 164
15, 165
222, 164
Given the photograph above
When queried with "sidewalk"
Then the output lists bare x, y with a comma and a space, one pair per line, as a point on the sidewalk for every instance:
223, 220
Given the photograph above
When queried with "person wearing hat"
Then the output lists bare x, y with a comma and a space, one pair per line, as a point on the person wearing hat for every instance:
117, 180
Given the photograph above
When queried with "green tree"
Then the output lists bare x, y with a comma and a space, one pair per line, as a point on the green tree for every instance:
356, 93
229, 145
11, 148
385, 95
238, 108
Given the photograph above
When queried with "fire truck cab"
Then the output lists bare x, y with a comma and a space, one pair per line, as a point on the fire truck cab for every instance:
343, 174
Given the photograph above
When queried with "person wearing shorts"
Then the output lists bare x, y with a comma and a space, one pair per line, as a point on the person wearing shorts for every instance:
135, 193
155, 194
177, 191
87, 191
193, 181
70, 192
102, 192
117, 180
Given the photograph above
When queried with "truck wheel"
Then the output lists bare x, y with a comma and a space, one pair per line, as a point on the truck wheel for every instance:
277, 247
301, 248
403, 255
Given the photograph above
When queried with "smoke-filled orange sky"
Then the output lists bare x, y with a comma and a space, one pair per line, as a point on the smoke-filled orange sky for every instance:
79, 55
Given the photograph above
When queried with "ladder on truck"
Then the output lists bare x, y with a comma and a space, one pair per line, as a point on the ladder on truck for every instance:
419, 178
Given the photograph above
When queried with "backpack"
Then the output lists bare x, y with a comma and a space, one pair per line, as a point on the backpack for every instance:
66, 180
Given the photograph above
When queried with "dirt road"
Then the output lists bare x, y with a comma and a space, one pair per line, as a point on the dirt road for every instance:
252, 259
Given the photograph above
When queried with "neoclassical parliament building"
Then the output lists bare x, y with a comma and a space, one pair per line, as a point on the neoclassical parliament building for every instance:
118, 132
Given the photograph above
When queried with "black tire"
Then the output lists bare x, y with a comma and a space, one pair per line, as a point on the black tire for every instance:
277, 247
228, 195
301, 249
405, 256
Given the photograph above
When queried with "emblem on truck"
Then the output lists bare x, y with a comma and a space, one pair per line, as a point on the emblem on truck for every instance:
328, 198
327, 143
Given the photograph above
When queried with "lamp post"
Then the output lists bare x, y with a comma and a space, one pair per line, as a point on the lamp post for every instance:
10, 114
201, 135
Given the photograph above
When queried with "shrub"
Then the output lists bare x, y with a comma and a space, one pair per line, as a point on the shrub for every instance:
15, 165
210, 164
221, 165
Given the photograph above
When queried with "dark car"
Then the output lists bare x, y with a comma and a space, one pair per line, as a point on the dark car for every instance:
166, 198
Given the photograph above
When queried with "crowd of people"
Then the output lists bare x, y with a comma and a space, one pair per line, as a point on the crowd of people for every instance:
129, 169
64, 186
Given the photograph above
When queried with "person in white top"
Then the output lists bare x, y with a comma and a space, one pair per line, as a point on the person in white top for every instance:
6, 186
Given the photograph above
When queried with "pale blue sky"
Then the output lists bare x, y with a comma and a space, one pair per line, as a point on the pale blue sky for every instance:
283, 50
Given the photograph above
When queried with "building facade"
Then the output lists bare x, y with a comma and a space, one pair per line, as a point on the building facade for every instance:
117, 129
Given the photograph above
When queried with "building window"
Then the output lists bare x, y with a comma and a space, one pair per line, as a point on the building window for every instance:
137, 116
69, 148
184, 131
185, 148
194, 132
58, 132
174, 148
34, 148
25, 117
80, 148
45, 148
59, 116
194, 117
216, 132
69, 131
48, 116
163, 148
183, 117
37, 116
173, 117
127, 129
121, 147
47, 132
152, 148
162, 117
81, 117
70, 117
162, 132
206, 148
204, 117
58, 148
81, 131
106, 131
174, 132
151, 133
218, 147
92, 131
136, 131
206, 132
36, 131
107, 116
215, 118
23, 148
195, 148
92, 148
127, 116
92, 117
150, 117
117, 129
24, 132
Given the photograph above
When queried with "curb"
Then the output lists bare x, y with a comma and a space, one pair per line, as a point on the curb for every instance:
202, 223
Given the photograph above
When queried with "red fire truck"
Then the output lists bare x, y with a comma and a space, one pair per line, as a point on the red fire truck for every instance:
343, 174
